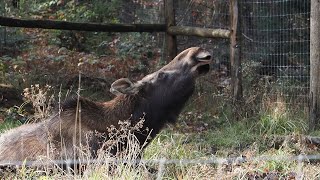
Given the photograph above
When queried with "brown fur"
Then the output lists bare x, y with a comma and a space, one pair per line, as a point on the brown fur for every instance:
31, 140
160, 96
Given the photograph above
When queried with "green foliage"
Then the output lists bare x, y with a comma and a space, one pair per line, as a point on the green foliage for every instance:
2, 7
78, 11
136, 45
16, 114
92, 11
8, 69
9, 124
3, 71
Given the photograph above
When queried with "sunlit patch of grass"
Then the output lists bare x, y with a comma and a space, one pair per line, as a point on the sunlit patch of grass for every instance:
282, 122
169, 146
236, 135
172, 146
269, 124
277, 165
267, 165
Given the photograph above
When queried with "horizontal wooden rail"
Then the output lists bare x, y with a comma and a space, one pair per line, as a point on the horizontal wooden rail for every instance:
96, 27
201, 32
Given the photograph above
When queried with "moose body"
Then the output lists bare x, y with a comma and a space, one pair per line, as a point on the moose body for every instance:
158, 98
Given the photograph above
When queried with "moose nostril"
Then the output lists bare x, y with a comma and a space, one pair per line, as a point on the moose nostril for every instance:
207, 57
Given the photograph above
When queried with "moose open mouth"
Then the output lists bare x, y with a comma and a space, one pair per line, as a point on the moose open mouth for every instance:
203, 69
203, 65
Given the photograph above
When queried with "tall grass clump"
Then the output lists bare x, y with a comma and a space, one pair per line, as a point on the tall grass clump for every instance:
277, 118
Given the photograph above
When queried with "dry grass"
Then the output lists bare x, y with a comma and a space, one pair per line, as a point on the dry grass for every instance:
42, 99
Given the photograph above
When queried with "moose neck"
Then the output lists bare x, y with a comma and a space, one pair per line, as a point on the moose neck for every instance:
164, 103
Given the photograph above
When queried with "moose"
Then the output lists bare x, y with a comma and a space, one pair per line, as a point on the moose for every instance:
158, 97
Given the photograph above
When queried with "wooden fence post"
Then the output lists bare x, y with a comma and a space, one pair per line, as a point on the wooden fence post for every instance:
171, 40
314, 65
235, 60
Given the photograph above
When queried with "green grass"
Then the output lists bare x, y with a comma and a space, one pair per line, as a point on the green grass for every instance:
9, 124
235, 135
283, 124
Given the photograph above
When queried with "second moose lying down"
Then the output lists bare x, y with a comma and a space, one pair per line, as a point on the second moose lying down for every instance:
158, 97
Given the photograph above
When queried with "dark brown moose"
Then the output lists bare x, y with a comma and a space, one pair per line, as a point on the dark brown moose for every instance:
158, 97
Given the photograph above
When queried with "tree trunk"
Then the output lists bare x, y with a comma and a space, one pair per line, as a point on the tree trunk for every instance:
314, 64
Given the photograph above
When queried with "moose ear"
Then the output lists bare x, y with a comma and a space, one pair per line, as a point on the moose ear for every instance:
123, 86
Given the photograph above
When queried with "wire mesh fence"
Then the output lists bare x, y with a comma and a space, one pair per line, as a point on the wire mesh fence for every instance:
275, 37
215, 15
204, 14
231, 164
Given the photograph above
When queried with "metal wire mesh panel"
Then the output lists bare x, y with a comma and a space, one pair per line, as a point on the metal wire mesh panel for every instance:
204, 14
276, 40
210, 96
